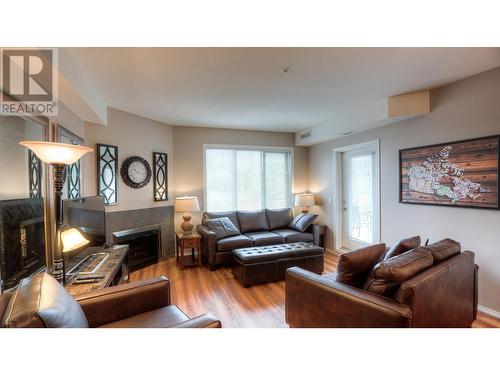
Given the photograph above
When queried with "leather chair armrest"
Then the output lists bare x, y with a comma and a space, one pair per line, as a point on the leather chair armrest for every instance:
202, 321
123, 301
314, 301
319, 231
208, 243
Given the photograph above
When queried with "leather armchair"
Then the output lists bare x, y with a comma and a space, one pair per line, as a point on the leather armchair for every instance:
142, 304
444, 295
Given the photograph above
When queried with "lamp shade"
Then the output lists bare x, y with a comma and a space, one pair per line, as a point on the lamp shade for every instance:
72, 239
56, 153
186, 204
304, 200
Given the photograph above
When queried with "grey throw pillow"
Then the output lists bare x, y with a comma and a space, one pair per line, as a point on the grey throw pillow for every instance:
302, 221
223, 227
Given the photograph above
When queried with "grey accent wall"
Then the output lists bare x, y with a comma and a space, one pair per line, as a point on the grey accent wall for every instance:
466, 109
163, 216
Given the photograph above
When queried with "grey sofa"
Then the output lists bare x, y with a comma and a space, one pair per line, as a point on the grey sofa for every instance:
258, 228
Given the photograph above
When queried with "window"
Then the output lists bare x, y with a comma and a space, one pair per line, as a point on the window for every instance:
238, 178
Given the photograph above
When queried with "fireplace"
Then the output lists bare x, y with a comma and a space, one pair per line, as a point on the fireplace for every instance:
144, 245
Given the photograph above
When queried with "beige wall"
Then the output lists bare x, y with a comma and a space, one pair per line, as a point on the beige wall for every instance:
134, 135
188, 150
14, 157
465, 109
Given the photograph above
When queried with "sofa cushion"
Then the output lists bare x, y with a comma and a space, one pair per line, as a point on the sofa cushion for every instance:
40, 301
353, 267
279, 219
387, 275
291, 235
252, 221
235, 242
223, 227
443, 249
302, 221
231, 215
403, 246
265, 238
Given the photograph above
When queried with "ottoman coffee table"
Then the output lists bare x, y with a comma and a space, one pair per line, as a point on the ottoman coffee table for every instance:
262, 264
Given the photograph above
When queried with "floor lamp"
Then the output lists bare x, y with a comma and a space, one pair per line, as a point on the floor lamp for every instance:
58, 155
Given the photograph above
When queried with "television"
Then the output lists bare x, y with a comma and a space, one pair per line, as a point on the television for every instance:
22, 240
88, 215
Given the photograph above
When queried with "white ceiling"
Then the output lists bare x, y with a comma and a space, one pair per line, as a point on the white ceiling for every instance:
244, 88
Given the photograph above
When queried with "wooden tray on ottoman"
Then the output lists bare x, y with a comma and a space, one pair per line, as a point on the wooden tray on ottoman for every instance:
263, 264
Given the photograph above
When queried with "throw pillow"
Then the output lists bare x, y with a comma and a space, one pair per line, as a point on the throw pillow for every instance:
231, 215
40, 301
403, 246
302, 221
353, 267
387, 275
444, 249
223, 227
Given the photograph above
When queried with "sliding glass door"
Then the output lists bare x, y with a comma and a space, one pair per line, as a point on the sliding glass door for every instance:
359, 198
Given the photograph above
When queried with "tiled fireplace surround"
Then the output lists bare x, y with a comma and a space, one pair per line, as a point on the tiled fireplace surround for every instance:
162, 216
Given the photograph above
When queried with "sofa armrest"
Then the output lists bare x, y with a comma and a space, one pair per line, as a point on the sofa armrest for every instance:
123, 301
443, 296
208, 243
313, 301
202, 321
318, 231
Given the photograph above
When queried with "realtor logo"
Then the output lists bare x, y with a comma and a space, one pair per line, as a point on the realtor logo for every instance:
29, 80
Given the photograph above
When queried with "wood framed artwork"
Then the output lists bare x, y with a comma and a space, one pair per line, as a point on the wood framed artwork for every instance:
34, 175
73, 187
160, 176
456, 174
107, 168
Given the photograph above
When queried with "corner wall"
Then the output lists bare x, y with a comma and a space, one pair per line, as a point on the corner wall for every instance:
134, 135
466, 109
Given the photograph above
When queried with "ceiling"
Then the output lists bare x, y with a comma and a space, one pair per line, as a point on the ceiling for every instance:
245, 88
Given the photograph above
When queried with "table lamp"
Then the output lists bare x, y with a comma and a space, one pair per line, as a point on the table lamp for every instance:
186, 205
304, 200
58, 155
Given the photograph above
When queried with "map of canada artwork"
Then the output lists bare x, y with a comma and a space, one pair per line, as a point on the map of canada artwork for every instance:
462, 174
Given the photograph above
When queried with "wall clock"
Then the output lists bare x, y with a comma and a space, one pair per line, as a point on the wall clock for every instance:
135, 172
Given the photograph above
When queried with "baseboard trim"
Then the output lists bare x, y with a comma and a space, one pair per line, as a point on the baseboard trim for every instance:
486, 310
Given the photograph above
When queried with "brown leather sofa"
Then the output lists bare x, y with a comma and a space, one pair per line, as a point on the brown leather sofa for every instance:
258, 228
444, 295
41, 302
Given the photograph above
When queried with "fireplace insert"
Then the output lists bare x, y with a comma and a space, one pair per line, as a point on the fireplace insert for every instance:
144, 245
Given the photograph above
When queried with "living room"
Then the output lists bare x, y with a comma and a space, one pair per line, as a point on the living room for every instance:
175, 186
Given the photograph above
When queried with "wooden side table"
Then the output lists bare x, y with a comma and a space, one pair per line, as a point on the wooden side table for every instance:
188, 241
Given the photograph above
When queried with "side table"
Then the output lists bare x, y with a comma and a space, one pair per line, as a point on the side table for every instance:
190, 241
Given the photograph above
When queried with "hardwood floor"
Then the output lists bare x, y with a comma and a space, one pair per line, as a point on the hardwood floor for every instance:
198, 290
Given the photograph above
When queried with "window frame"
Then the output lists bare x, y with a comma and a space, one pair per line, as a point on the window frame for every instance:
263, 149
